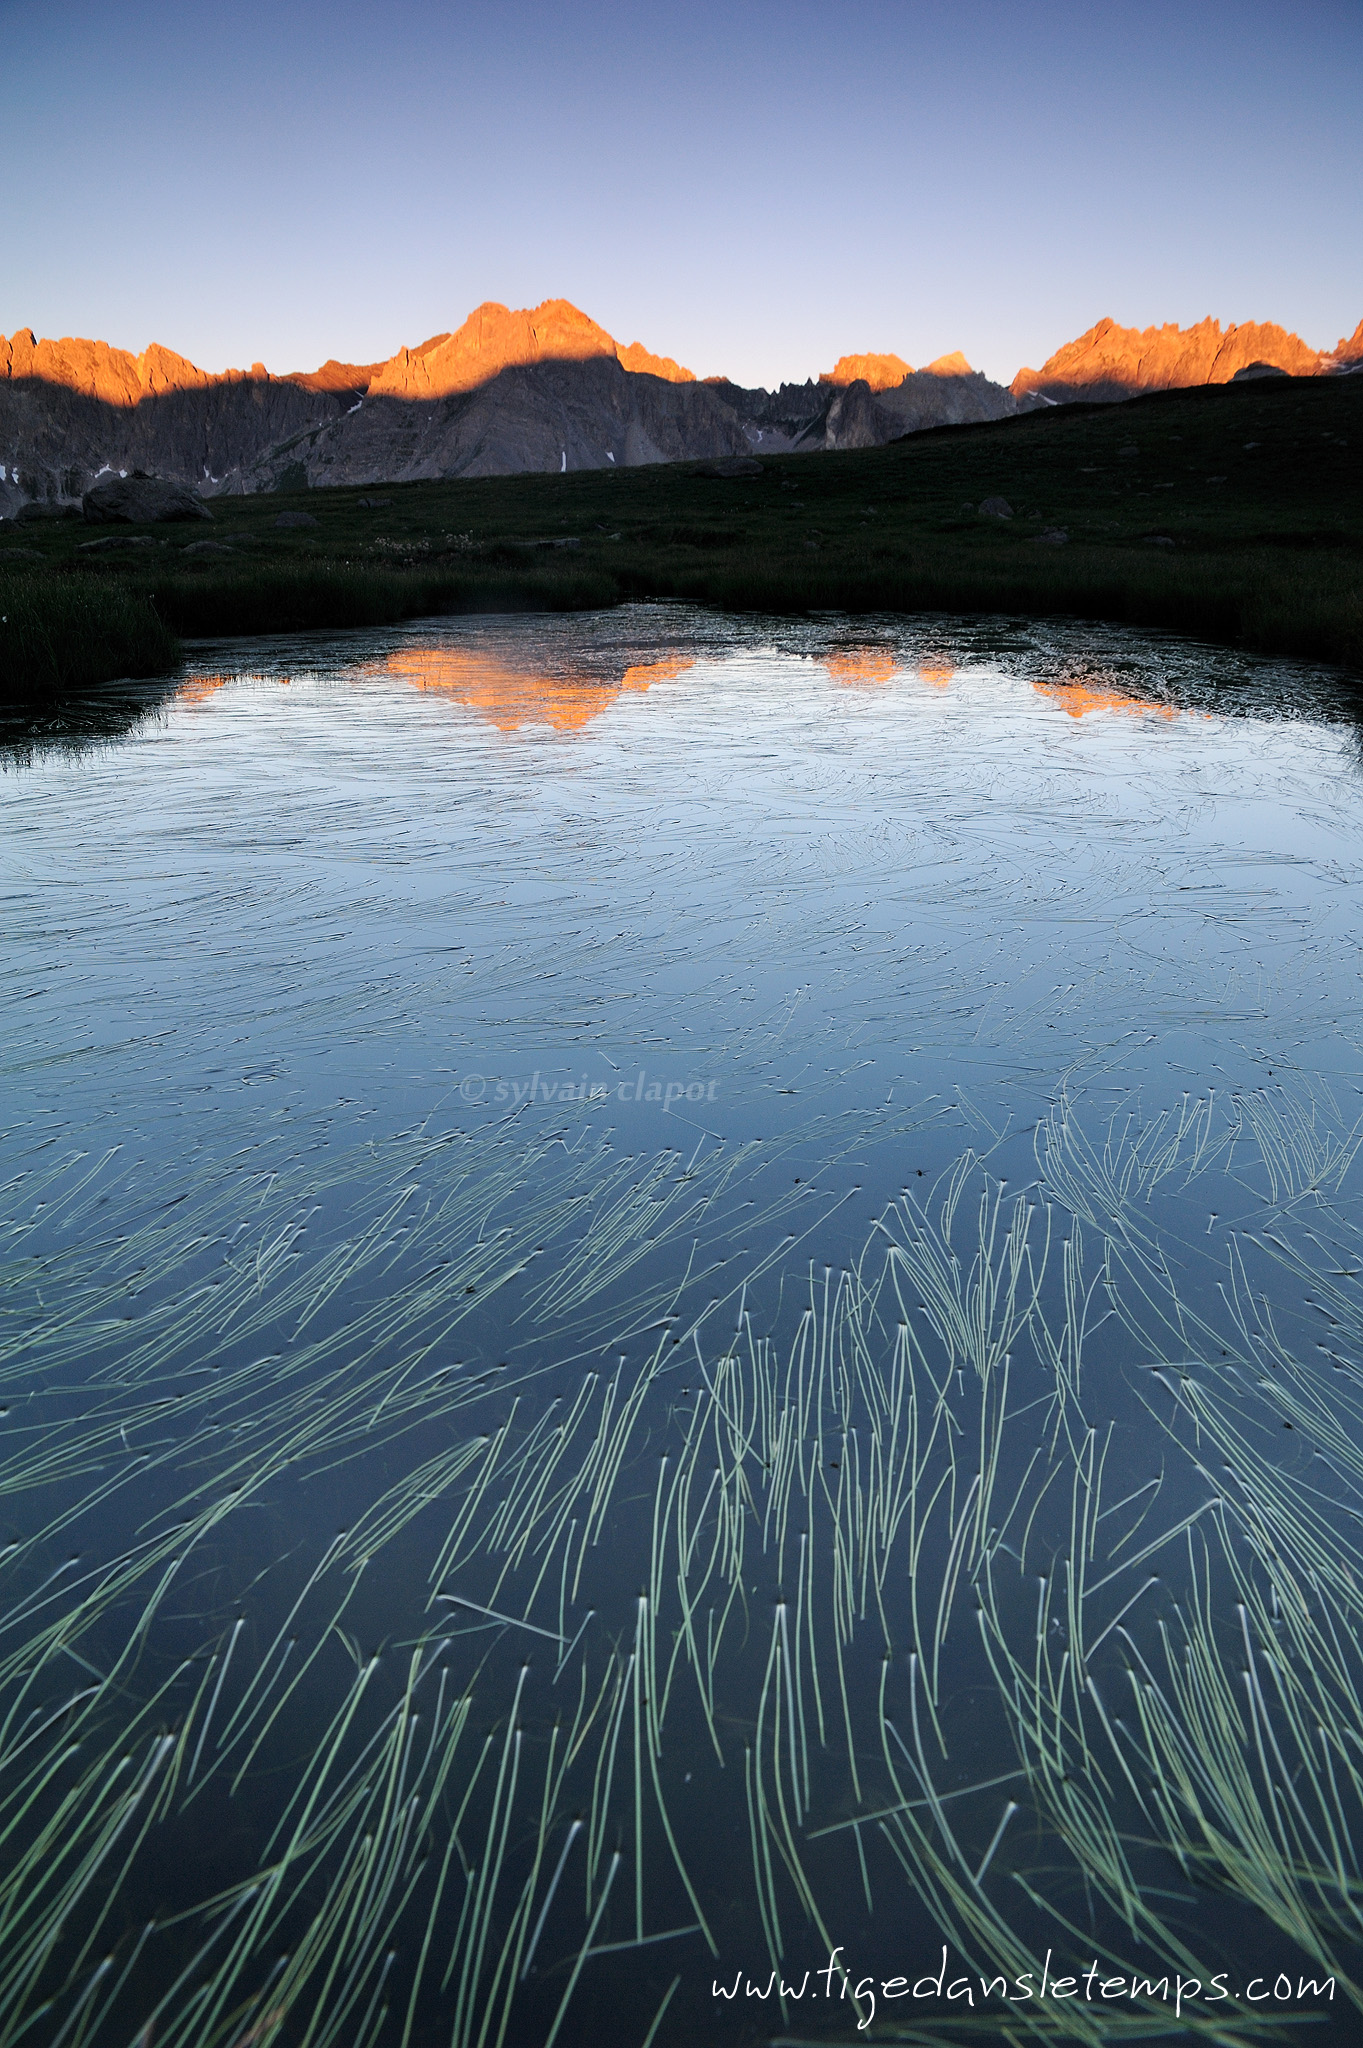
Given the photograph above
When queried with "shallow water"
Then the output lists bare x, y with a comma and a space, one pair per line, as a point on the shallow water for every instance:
745, 1235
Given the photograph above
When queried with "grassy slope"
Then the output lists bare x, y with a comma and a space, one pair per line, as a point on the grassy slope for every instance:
1256, 487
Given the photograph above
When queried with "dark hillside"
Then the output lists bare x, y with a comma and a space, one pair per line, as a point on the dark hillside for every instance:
1230, 512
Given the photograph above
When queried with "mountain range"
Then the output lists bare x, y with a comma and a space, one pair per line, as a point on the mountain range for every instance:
541, 389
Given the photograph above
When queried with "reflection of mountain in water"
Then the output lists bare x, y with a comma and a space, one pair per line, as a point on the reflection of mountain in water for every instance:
1079, 699
510, 697
864, 668
859, 668
555, 675
198, 689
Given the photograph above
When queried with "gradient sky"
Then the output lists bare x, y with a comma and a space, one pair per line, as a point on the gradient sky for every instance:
752, 188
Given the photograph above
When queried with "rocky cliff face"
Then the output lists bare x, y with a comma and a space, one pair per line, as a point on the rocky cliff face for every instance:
842, 411
548, 415
947, 394
538, 389
1111, 362
1348, 353
73, 411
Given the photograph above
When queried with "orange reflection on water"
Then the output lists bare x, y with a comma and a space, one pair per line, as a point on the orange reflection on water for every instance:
935, 671
640, 677
509, 697
1078, 699
198, 689
860, 668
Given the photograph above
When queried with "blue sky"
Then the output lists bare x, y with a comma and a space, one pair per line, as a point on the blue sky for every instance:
752, 188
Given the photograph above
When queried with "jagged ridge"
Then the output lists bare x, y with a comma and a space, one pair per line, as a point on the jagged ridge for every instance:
543, 388
1111, 362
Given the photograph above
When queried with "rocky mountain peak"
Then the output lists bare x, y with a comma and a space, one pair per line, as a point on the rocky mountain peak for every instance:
1116, 362
492, 339
881, 373
1349, 349
639, 362
112, 375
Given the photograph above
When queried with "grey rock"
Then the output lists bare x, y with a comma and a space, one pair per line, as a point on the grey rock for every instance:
1052, 537
799, 418
295, 519
119, 540
929, 399
544, 417
22, 555
1158, 540
996, 508
372, 504
141, 501
853, 418
1253, 370
208, 547
44, 509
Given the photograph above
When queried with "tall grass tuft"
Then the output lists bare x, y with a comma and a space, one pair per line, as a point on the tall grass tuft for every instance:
58, 635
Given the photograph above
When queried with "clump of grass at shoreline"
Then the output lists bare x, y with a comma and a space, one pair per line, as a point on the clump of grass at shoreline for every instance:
62, 634
1228, 514
1250, 600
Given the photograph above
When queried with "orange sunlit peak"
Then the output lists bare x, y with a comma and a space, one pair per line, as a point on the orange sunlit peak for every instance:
881, 372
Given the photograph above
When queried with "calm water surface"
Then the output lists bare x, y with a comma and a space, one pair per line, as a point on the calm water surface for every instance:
681, 1294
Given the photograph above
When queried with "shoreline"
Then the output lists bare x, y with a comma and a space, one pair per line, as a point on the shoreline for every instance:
1104, 512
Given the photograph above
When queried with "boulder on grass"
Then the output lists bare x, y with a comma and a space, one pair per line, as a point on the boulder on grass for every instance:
295, 519
730, 466
141, 501
39, 510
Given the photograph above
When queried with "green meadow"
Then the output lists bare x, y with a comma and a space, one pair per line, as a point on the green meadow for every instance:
1231, 514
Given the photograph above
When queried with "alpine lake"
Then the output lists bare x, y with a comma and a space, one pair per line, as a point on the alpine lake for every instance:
683, 1342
